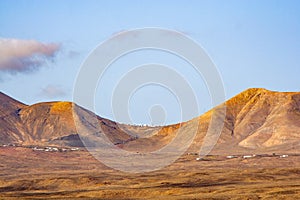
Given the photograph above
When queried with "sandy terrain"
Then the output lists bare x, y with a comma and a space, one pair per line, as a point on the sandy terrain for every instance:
28, 174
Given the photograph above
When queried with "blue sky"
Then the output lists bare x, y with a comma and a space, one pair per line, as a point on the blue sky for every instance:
253, 44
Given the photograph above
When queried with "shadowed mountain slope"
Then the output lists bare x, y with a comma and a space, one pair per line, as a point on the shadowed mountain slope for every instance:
11, 127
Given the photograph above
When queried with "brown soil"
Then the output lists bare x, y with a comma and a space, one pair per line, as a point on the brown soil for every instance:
28, 174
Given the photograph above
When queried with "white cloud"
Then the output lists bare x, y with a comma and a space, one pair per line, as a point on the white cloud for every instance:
53, 91
25, 55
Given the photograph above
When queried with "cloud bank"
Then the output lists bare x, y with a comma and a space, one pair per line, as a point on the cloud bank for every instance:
25, 55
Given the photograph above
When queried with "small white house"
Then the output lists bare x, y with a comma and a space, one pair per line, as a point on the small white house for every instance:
55, 149
247, 156
229, 157
38, 149
284, 156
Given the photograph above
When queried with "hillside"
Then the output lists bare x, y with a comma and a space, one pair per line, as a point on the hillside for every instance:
46, 123
259, 120
256, 120
11, 127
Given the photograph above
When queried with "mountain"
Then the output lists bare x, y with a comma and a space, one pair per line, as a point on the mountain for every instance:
259, 120
11, 127
45, 123
256, 120
266, 118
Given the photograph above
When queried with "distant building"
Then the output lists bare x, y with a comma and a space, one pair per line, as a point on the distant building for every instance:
248, 156
231, 157
284, 156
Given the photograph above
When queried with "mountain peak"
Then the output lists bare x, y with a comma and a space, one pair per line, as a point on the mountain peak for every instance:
256, 90
246, 96
61, 107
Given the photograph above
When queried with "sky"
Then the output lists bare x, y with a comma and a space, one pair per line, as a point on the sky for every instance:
43, 45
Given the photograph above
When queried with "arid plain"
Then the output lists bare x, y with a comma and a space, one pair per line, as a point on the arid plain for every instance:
28, 174
257, 155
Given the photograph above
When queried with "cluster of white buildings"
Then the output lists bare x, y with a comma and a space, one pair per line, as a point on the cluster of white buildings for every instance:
250, 156
8, 145
54, 149
255, 155
45, 149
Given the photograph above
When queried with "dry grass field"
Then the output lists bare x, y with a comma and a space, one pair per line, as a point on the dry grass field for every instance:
28, 174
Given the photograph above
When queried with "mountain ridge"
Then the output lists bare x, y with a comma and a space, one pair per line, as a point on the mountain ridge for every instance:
256, 119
